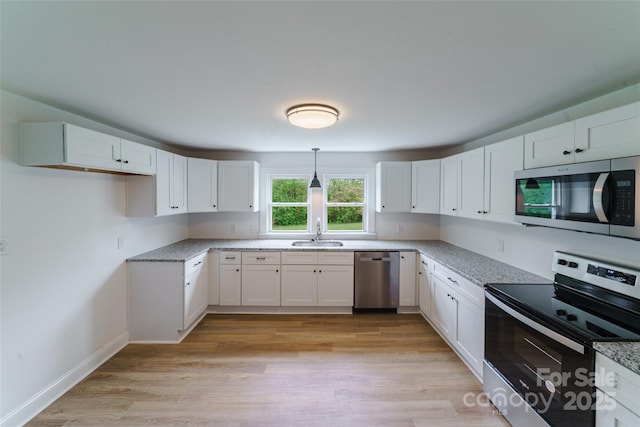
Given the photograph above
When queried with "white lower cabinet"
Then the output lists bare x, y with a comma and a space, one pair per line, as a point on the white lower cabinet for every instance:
424, 286
617, 394
166, 298
457, 312
407, 280
261, 278
317, 279
230, 274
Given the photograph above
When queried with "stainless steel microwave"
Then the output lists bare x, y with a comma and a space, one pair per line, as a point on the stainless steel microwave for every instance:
596, 197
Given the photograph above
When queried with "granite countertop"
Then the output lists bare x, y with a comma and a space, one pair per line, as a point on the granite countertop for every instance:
476, 268
626, 354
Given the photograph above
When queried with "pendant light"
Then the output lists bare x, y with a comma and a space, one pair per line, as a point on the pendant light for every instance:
315, 183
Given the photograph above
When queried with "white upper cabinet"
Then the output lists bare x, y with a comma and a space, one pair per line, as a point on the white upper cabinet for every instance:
449, 185
607, 135
202, 185
549, 147
425, 186
393, 187
72, 147
471, 184
238, 189
501, 160
163, 194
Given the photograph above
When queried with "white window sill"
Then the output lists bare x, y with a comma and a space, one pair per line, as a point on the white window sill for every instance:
324, 236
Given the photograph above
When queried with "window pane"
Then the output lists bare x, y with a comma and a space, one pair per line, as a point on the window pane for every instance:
289, 190
289, 218
344, 218
345, 190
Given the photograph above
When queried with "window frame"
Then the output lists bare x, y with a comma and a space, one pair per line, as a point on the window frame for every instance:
271, 203
364, 204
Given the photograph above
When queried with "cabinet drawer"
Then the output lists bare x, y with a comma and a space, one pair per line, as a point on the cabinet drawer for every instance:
195, 264
335, 258
301, 257
618, 382
234, 258
472, 291
261, 257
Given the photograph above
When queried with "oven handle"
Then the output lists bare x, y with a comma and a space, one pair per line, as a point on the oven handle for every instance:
560, 339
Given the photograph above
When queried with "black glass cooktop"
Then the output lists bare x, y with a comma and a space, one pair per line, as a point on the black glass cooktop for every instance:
572, 313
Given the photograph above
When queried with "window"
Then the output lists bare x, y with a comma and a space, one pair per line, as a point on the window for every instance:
289, 208
344, 203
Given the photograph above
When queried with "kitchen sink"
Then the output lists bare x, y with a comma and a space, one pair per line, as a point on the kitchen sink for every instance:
318, 243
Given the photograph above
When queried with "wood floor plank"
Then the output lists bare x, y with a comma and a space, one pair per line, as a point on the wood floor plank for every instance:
282, 370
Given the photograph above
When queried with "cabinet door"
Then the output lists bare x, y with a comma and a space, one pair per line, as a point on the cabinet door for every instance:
449, 186
393, 189
425, 186
202, 185
443, 307
607, 135
610, 413
335, 285
179, 184
299, 285
407, 278
237, 186
164, 183
261, 285
424, 288
501, 160
549, 147
468, 334
471, 184
137, 157
195, 295
88, 148
230, 285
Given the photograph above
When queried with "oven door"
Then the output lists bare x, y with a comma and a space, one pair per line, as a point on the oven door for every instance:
551, 373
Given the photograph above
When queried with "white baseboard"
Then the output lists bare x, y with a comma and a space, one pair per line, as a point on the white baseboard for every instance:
64, 383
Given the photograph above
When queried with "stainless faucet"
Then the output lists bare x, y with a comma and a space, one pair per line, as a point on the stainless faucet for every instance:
318, 228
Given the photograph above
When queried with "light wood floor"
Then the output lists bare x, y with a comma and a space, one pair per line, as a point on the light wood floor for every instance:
282, 370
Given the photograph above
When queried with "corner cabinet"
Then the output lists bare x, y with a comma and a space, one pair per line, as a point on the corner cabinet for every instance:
425, 186
163, 194
166, 299
393, 187
66, 146
238, 189
202, 185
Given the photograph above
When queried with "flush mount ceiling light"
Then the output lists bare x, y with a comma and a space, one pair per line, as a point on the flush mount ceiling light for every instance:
312, 116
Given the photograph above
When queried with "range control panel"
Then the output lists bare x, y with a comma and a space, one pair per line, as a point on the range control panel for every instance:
617, 278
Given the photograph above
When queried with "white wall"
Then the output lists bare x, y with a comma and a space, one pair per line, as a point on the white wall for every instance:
531, 248
247, 225
63, 290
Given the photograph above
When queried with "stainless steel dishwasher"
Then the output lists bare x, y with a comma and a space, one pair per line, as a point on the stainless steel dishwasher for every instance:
376, 280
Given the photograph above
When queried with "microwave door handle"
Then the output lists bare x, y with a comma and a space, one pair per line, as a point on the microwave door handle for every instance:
598, 196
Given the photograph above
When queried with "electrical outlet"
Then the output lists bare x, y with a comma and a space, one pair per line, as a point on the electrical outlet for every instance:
234, 228
120, 242
253, 228
500, 245
4, 247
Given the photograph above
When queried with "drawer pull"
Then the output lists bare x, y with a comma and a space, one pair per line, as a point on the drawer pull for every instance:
451, 280
197, 263
229, 257
260, 258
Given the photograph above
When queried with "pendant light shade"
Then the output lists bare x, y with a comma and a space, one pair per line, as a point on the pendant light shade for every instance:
315, 182
312, 116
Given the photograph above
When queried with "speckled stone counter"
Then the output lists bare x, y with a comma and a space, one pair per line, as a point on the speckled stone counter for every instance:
626, 354
477, 268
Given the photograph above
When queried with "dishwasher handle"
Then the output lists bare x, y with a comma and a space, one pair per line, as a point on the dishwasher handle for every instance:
383, 259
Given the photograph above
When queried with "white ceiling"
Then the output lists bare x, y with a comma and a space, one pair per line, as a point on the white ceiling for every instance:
220, 75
